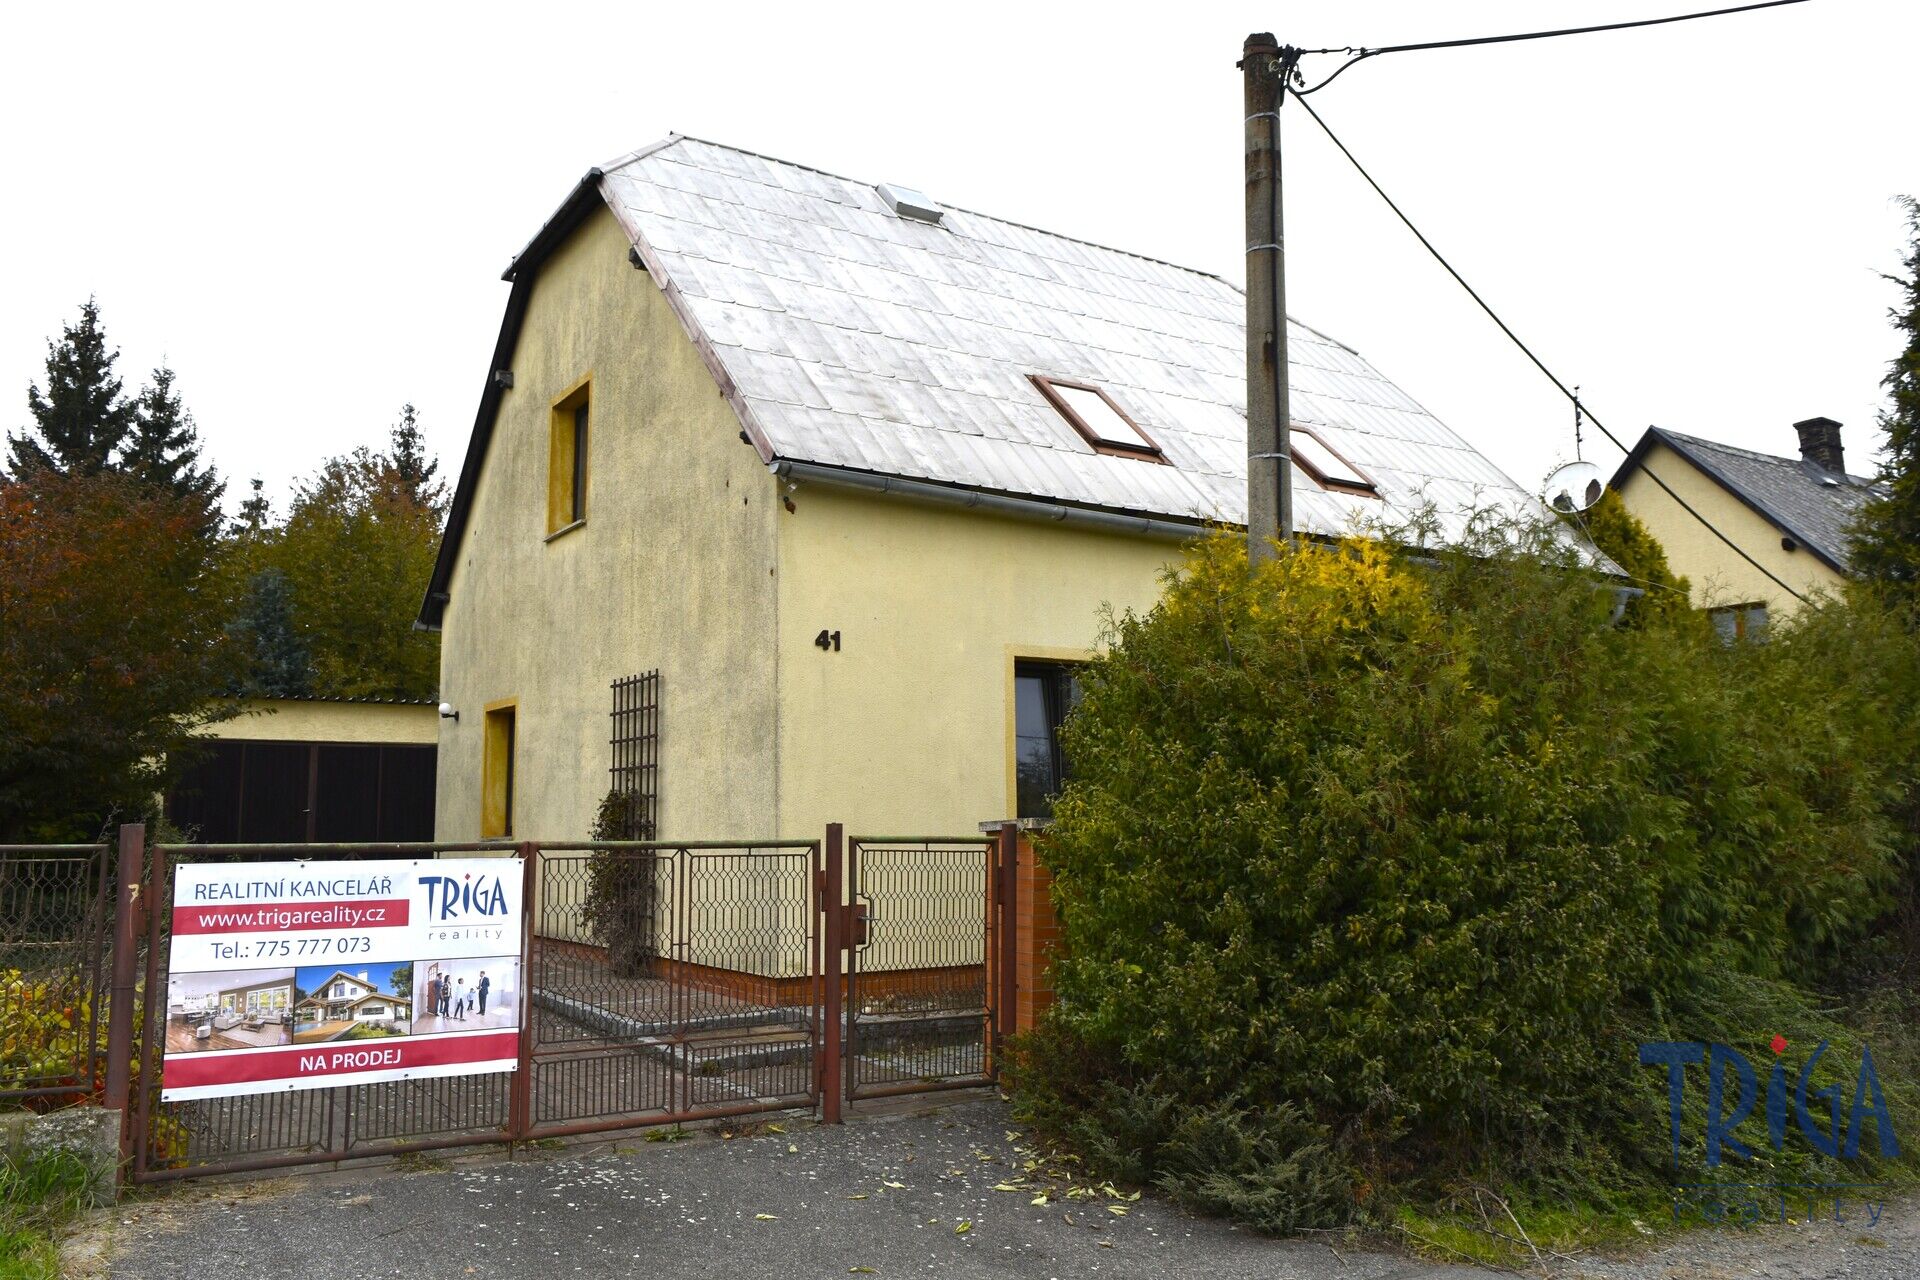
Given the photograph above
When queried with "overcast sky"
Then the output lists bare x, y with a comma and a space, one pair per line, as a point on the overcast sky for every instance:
306, 211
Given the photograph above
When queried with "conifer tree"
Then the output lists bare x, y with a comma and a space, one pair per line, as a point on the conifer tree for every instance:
413, 468
255, 512
1886, 540
82, 418
164, 449
277, 661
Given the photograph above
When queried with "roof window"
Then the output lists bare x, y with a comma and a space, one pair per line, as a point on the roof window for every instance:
1100, 422
908, 203
1327, 468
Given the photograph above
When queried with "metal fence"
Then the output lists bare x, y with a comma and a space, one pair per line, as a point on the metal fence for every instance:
54, 920
658, 982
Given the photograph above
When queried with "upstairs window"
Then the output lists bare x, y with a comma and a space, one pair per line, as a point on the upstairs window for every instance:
1327, 468
1100, 422
567, 459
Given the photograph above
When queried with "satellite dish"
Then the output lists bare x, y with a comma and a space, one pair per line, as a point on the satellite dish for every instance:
1574, 487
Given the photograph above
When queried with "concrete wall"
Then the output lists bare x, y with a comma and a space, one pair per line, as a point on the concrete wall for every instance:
1717, 574
304, 720
673, 568
908, 728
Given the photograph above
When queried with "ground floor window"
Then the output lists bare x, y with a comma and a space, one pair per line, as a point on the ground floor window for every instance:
1736, 622
496, 783
1043, 694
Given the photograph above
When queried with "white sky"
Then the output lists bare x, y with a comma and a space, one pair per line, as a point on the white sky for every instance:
308, 215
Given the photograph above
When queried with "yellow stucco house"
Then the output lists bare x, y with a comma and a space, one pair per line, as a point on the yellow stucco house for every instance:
792, 499
1790, 515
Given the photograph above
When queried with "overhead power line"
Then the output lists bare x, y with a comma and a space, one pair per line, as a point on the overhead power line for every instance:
1528, 351
1362, 54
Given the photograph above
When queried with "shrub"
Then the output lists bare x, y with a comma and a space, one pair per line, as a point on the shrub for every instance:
1386, 862
620, 910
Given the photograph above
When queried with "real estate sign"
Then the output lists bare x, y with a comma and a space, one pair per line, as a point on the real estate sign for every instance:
311, 975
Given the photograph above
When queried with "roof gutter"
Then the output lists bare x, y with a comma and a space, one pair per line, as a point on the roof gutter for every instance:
980, 500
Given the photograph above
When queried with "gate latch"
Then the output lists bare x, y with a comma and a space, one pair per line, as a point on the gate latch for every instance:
859, 915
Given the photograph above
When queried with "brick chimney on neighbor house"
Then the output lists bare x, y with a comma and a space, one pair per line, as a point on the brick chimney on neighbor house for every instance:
1820, 444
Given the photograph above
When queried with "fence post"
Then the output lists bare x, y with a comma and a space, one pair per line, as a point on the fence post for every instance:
831, 1069
132, 851
520, 1105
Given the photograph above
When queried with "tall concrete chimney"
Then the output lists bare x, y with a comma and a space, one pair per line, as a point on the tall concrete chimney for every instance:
1820, 444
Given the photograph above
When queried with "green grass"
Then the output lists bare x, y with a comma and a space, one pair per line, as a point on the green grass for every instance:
36, 1201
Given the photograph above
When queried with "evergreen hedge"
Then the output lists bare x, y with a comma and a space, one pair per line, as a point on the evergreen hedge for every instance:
1373, 867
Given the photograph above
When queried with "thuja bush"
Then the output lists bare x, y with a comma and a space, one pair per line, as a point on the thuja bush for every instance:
1374, 865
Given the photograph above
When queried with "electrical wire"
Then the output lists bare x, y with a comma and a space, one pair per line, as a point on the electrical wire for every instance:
1362, 54
1528, 352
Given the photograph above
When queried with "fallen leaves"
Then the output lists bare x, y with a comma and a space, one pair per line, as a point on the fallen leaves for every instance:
966, 1225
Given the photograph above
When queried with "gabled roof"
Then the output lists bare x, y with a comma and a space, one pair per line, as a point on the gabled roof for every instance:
1805, 501
341, 973
850, 337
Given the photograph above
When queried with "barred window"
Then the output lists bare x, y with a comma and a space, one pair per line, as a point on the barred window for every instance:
636, 750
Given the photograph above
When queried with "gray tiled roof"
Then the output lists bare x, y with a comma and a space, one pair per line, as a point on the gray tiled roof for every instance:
1803, 498
855, 338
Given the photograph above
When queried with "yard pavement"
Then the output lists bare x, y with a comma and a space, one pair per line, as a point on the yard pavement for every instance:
886, 1193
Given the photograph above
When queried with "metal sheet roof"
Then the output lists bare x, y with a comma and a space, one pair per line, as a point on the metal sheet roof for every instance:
856, 338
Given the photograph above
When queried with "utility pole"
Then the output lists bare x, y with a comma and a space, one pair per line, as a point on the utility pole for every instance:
1269, 456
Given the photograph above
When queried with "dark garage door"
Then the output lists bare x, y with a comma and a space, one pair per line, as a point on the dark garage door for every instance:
287, 792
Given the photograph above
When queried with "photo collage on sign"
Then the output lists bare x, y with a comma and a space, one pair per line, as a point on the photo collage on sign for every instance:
321, 1004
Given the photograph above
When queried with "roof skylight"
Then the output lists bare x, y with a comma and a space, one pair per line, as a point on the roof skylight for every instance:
1327, 468
1100, 422
908, 203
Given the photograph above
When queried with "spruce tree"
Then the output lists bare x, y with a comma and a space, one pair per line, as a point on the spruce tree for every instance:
413, 468
1886, 539
255, 511
164, 450
277, 661
82, 417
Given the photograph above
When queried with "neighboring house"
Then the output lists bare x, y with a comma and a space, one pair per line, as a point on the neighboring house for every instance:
1789, 514
305, 769
345, 998
792, 499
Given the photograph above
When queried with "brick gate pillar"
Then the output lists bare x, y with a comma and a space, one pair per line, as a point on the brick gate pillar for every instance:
1036, 930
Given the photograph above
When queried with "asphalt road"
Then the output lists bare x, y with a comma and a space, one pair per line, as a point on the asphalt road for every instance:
886, 1193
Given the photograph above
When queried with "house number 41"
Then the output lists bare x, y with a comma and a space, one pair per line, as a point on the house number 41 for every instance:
828, 641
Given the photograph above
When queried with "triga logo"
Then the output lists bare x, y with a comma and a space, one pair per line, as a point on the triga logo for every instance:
1828, 1134
470, 895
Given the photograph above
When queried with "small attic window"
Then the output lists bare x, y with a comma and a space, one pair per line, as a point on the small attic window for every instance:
1327, 468
908, 203
1100, 422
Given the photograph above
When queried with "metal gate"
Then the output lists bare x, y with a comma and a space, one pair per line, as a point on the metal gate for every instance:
673, 982
270, 1130
926, 924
